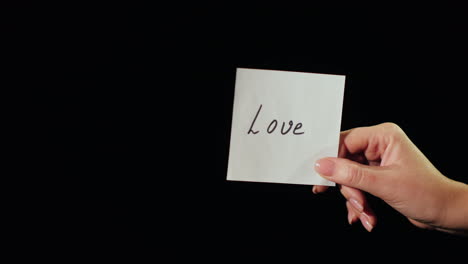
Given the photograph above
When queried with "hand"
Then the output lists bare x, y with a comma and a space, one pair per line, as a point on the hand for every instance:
382, 161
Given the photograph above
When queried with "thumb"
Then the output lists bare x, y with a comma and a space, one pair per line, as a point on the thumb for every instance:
352, 174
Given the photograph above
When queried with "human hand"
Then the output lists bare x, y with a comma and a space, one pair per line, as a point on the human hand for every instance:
382, 161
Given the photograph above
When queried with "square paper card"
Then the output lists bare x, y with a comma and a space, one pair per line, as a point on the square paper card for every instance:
282, 123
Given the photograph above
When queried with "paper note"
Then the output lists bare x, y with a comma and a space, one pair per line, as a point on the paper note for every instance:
282, 123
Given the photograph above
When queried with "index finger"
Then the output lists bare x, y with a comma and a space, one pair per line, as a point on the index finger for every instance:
370, 141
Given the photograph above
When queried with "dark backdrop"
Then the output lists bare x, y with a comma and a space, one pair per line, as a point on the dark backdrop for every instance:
167, 127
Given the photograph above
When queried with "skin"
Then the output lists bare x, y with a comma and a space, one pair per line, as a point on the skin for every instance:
382, 160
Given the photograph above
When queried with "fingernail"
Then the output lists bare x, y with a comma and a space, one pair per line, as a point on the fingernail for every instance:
325, 167
365, 222
314, 190
356, 204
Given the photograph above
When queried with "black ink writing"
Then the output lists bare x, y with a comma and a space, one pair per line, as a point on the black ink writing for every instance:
253, 122
290, 126
298, 126
269, 129
274, 123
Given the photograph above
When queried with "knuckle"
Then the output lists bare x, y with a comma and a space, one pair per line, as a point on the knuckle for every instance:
353, 174
393, 130
392, 127
358, 176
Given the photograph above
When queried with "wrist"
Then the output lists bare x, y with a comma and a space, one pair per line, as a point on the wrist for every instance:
455, 216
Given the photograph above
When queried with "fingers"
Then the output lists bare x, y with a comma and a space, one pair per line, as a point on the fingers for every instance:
359, 148
368, 220
372, 179
356, 140
356, 204
371, 141
354, 196
316, 189
352, 216
358, 207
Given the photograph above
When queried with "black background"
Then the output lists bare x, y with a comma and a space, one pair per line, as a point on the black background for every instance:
402, 65
150, 93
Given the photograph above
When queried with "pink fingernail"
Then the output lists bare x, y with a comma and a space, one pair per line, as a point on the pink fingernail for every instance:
325, 167
356, 204
365, 222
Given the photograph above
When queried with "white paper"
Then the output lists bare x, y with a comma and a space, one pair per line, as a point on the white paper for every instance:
314, 100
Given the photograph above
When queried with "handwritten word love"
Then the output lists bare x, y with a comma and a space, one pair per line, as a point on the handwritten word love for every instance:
273, 124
